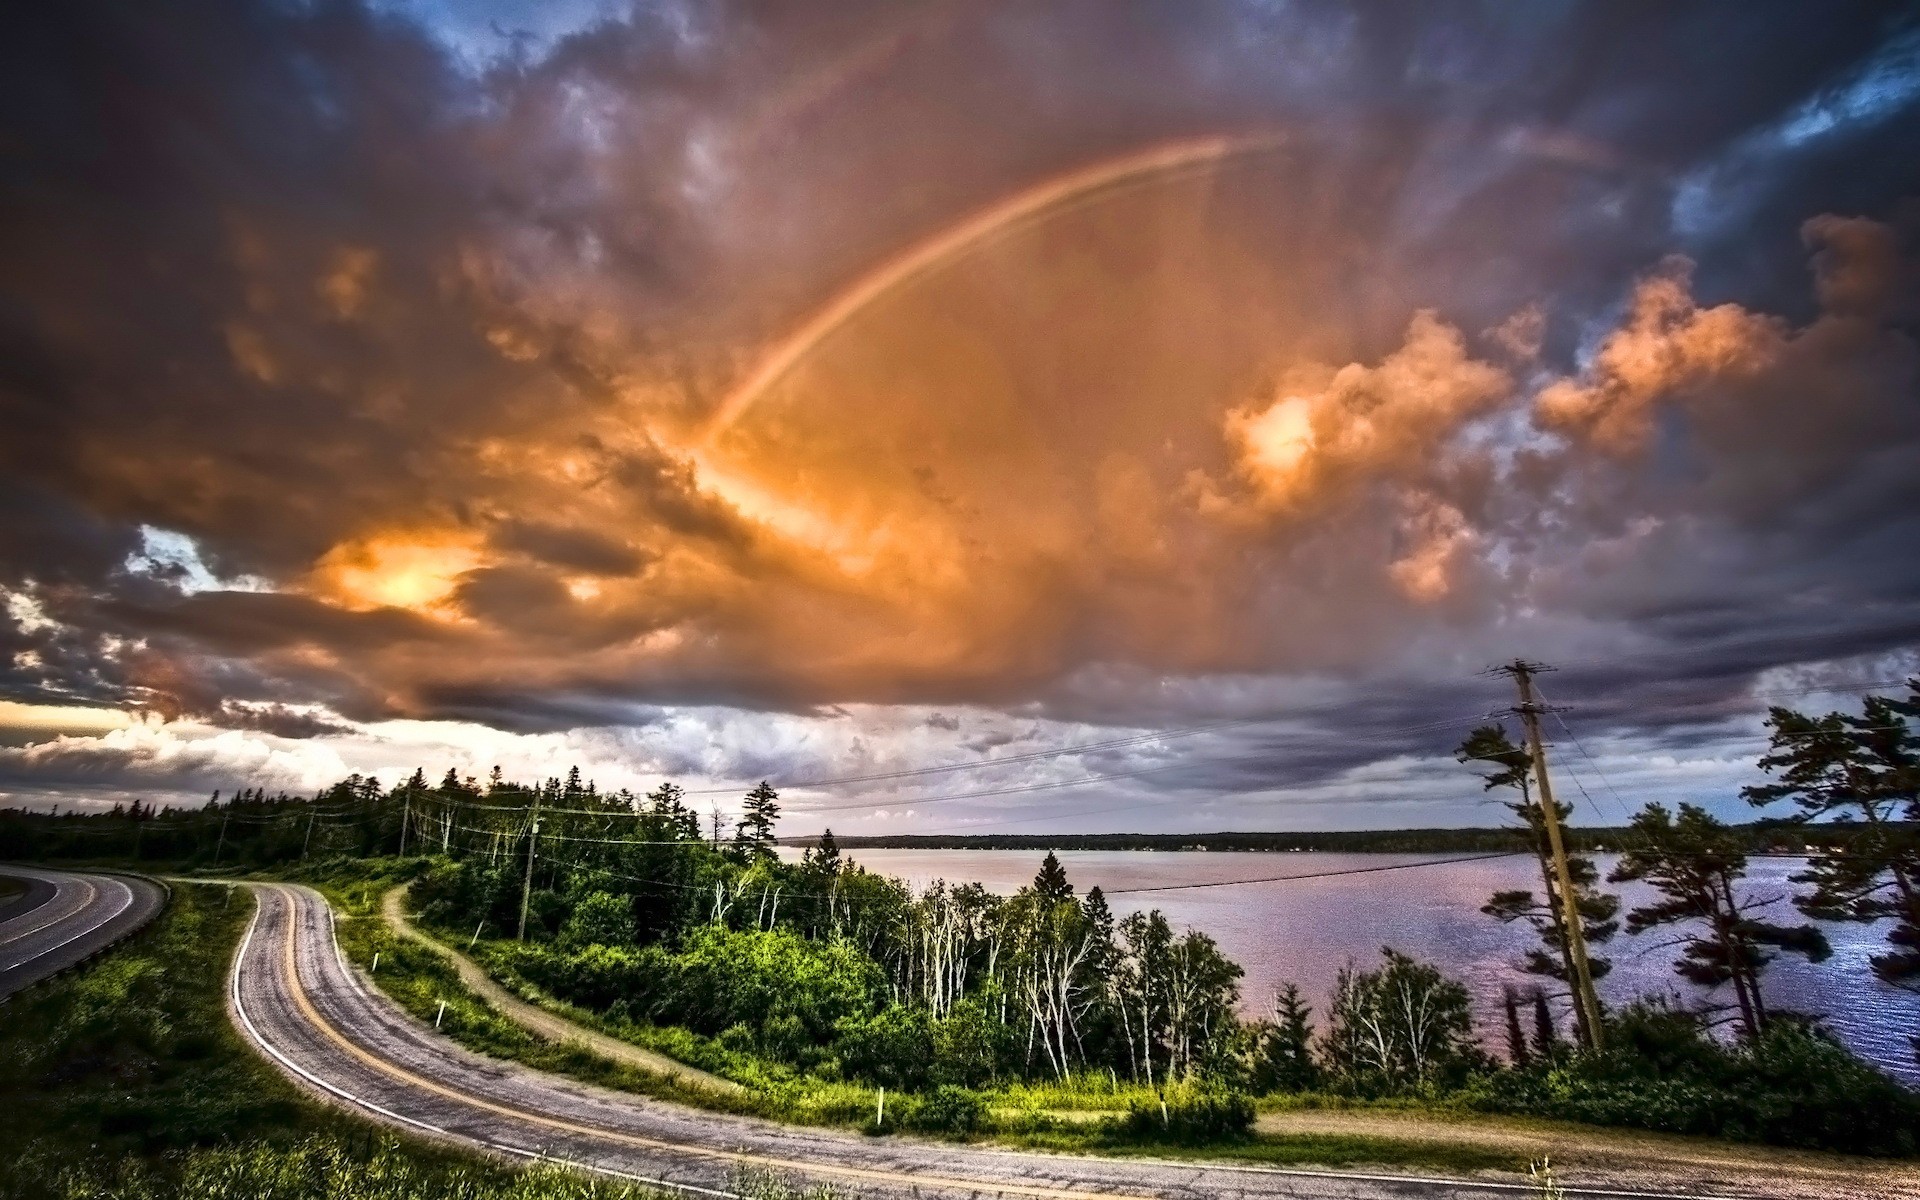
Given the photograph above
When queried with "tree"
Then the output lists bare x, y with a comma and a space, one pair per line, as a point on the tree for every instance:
1051, 882
1864, 769
823, 858
1174, 997
753, 836
1517, 1052
1513, 768
600, 918
1283, 1059
1695, 862
1402, 1026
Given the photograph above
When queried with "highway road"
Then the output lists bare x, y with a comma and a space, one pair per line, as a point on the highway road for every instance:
64, 917
295, 997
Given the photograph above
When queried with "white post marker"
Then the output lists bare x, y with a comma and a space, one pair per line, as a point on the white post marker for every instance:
438, 1015
376, 963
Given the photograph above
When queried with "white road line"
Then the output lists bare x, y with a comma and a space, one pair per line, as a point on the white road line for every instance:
56, 917
292, 902
240, 1010
125, 904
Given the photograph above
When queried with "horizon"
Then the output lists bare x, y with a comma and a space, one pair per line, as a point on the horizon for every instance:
969, 419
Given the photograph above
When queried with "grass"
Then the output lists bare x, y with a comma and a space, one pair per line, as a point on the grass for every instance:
1077, 1116
1288, 1150
125, 1079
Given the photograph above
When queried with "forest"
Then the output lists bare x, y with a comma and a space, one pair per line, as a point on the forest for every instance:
809, 972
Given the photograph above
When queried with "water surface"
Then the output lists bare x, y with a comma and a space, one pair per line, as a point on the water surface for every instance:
1304, 930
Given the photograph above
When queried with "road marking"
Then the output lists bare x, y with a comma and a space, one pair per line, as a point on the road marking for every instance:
381, 1066
57, 917
240, 1010
93, 928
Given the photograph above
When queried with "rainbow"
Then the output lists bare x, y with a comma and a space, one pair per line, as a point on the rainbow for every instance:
1025, 208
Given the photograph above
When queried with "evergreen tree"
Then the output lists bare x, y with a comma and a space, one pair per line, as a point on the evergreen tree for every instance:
1695, 863
1517, 1052
753, 836
1546, 1035
1512, 767
1286, 1062
1051, 883
823, 858
1865, 769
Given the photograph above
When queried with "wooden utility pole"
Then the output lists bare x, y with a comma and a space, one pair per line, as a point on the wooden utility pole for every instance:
406, 815
1585, 998
526, 885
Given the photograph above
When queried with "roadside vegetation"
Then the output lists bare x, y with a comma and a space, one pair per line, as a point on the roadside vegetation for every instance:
1040, 1017
125, 1080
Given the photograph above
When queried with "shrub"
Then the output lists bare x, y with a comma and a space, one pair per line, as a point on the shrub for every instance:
1796, 1086
948, 1109
969, 1045
893, 1048
1189, 1115
600, 918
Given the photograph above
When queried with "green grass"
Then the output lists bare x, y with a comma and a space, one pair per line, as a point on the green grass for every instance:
1074, 1116
125, 1079
1287, 1150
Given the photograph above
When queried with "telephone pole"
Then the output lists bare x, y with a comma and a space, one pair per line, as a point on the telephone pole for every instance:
1585, 999
526, 885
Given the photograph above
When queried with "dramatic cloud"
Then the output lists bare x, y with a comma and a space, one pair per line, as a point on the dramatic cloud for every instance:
775, 389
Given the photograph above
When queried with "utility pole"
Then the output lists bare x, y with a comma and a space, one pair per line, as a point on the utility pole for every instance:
406, 814
222, 843
526, 885
308, 843
1585, 999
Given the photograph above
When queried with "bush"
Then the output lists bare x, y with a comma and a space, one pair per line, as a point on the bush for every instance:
1189, 1116
948, 1109
892, 1048
969, 1045
1796, 1086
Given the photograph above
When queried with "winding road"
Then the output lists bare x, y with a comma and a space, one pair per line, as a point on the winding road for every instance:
294, 996
65, 917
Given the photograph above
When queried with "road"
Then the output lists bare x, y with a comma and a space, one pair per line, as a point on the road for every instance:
64, 917
538, 1021
295, 997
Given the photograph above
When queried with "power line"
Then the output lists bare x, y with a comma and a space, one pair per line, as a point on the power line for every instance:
1437, 862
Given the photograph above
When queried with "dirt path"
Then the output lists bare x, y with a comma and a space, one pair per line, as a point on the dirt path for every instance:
1628, 1158
538, 1021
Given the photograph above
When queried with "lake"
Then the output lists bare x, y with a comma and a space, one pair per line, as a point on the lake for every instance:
1303, 931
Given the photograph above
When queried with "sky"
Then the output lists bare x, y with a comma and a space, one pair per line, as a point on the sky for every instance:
968, 415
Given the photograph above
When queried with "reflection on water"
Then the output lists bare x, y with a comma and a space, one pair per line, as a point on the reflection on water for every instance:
1304, 931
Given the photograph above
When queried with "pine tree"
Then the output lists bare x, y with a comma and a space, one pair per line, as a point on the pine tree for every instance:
824, 856
1051, 883
754, 834
1867, 769
1598, 910
1546, 1035
1695, 862
1288, 1063
1516, 1036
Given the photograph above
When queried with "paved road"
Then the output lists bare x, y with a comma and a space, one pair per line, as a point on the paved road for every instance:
294, 996
64, 917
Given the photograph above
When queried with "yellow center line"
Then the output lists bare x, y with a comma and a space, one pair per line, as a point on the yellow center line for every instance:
395, 1071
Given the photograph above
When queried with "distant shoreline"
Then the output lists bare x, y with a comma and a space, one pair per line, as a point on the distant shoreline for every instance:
1762, 838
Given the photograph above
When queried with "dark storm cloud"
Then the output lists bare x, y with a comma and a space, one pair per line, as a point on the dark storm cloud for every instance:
414, 343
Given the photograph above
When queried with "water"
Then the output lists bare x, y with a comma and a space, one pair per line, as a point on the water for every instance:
1304, 931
